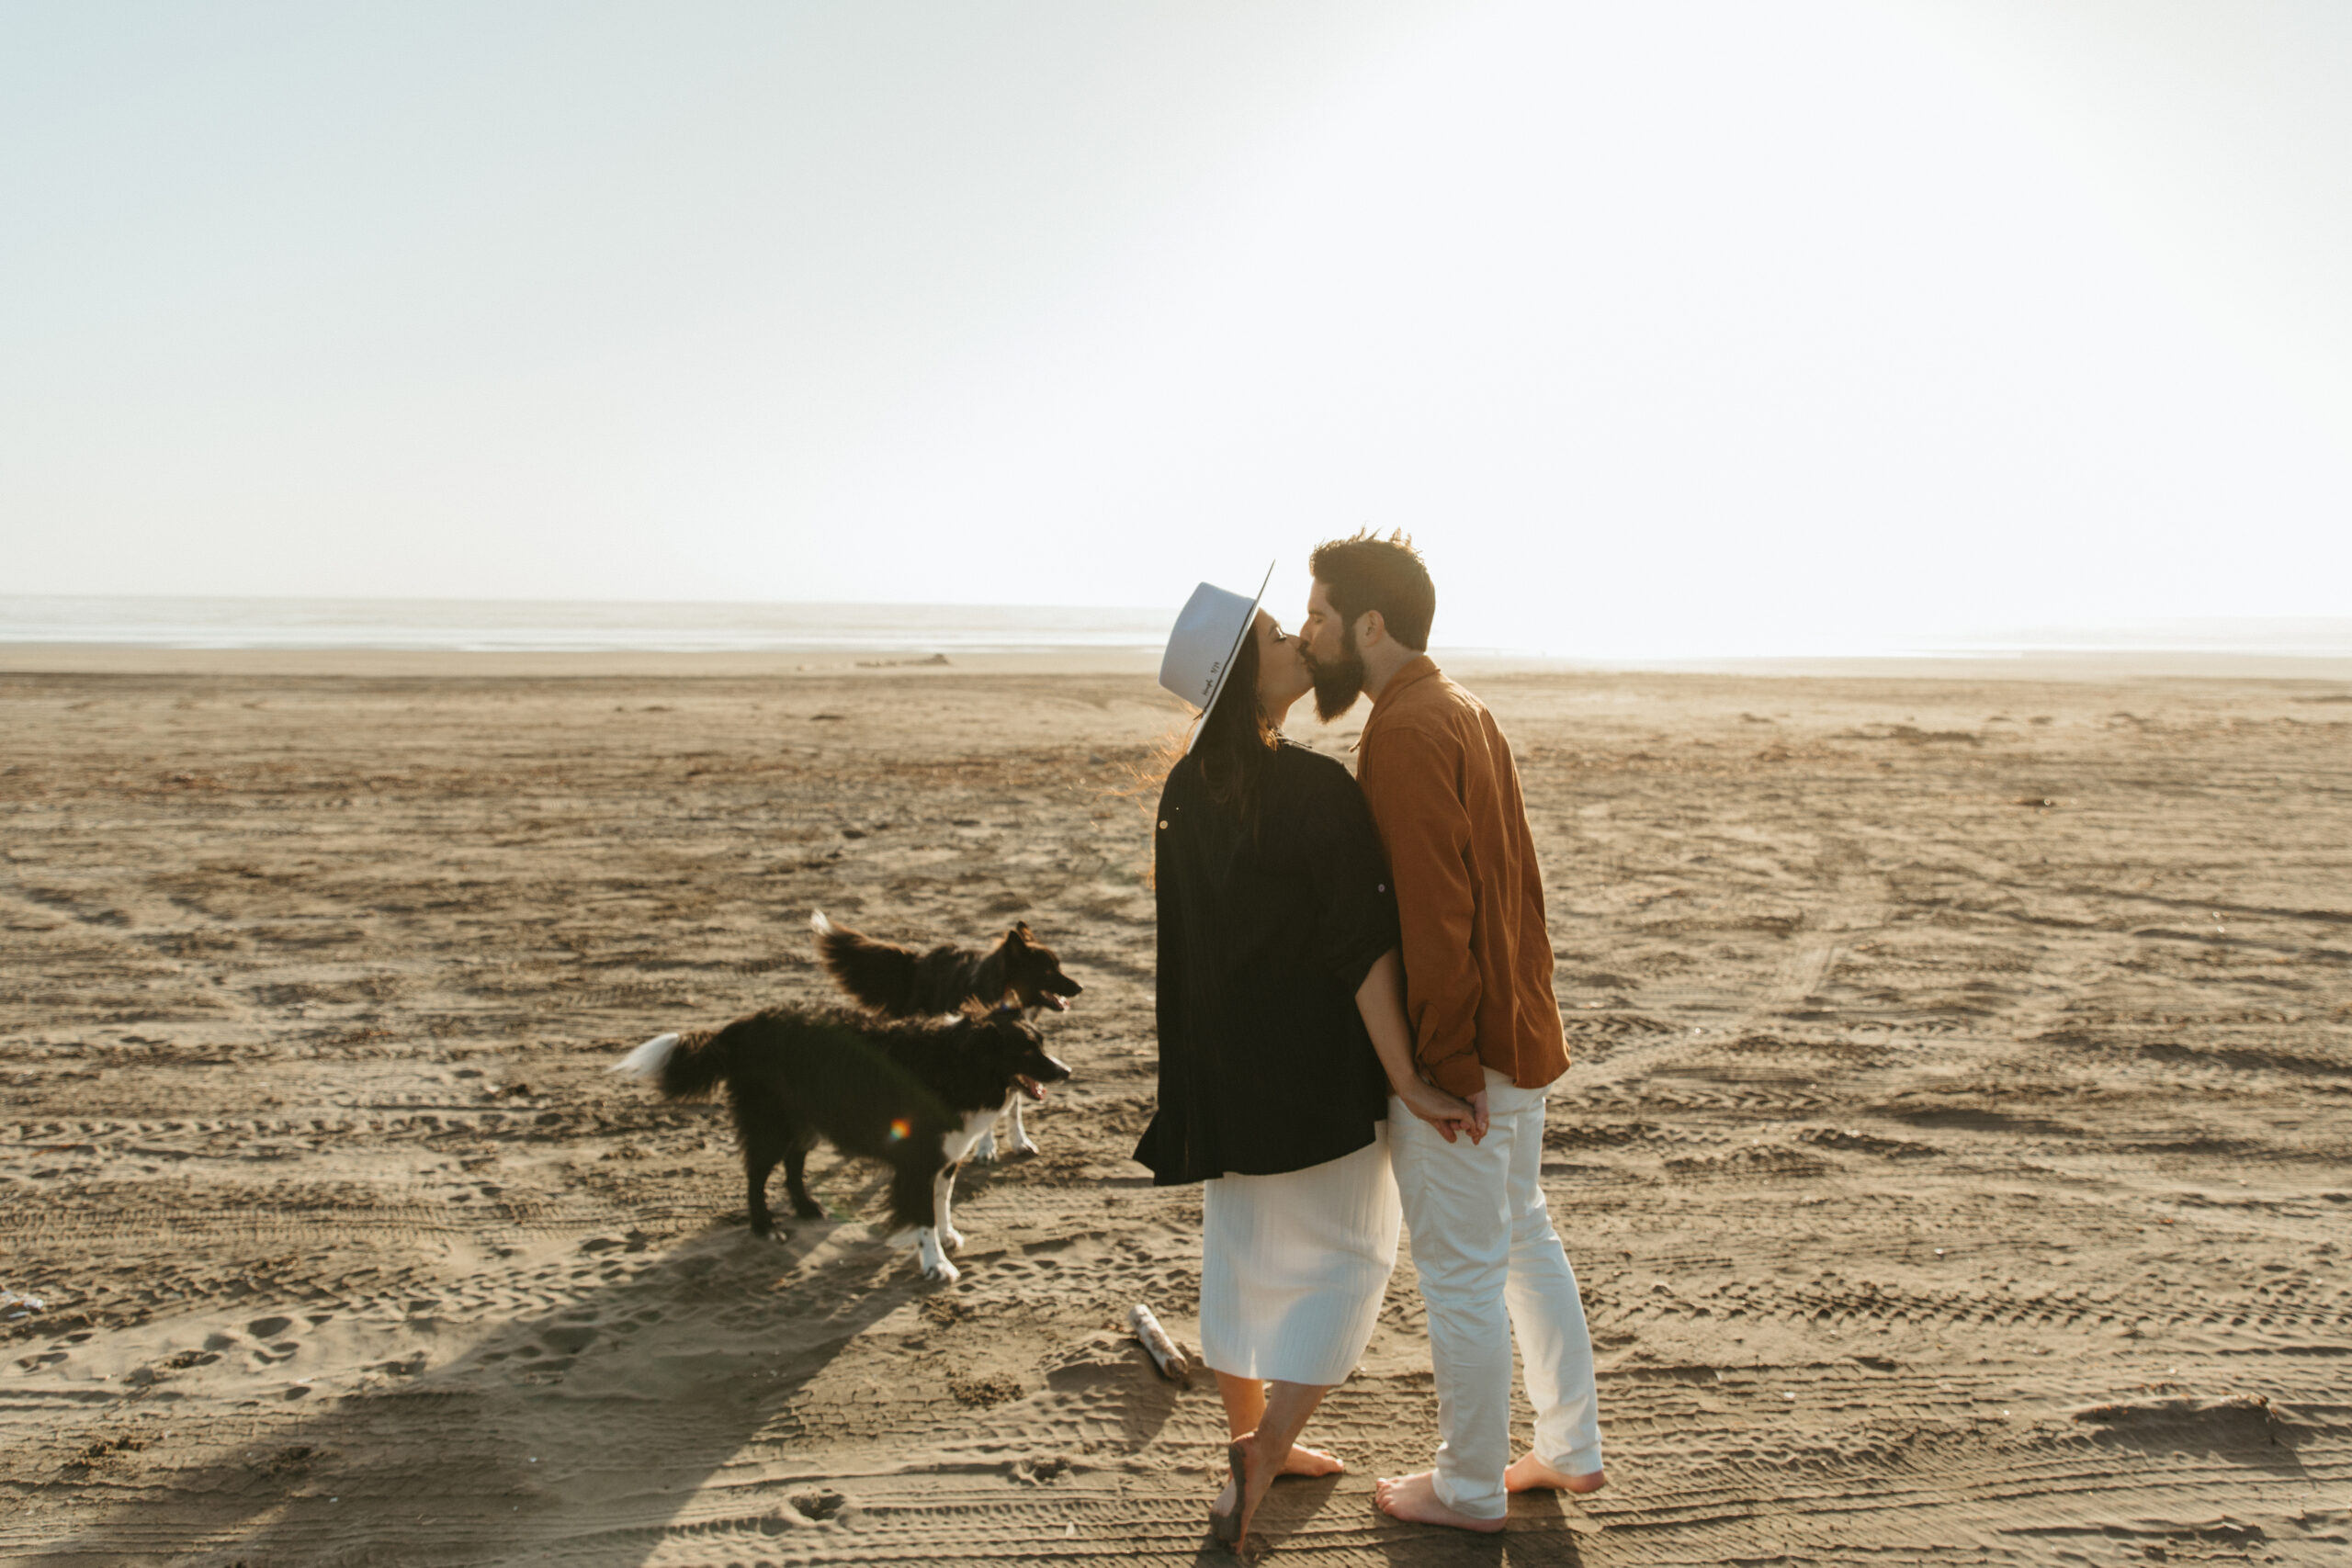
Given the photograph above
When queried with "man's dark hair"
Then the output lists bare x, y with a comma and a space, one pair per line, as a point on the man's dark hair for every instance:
1365, 573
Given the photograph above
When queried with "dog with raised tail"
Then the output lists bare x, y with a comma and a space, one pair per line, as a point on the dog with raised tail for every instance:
898, 982
916, 1095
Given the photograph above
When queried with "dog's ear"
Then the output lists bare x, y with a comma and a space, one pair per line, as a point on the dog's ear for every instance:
1018, 936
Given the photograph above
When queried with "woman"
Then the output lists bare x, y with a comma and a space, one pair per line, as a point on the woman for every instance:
1282, 1034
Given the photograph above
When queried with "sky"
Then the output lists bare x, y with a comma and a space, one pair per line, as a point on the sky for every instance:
1670, 328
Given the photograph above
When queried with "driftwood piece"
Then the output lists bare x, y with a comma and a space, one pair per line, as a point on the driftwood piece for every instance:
1164, 1351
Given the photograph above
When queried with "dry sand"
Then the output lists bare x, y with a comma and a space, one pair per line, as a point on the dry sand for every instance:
1954, 1157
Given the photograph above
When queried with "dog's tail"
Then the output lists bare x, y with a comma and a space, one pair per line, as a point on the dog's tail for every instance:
878, 973
681, 1065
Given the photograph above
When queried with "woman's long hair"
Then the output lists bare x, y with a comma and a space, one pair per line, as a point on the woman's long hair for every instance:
1235, 740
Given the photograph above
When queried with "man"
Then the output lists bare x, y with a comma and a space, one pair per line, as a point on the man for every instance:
1444, 795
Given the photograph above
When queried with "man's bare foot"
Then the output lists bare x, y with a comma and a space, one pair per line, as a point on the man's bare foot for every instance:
1413, 1497
1528, 1473
1305, 1461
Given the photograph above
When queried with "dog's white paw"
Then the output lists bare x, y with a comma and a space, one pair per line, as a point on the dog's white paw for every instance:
984, 1152
934, 1256
952, 1240
1020, 1145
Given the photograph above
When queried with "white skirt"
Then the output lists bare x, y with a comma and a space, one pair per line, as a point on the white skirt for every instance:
1293, 1265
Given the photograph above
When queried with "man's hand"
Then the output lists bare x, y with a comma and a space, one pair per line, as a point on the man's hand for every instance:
1441, 1110
1478, 1128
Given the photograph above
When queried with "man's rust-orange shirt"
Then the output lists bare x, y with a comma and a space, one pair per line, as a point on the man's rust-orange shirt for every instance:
1444, 794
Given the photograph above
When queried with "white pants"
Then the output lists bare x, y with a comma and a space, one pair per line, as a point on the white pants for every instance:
1484, 1246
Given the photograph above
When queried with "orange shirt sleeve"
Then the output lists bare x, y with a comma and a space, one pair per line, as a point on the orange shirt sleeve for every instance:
1412, 779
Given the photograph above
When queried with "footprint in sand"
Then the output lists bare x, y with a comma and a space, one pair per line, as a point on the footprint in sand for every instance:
271, 1349
568, 1339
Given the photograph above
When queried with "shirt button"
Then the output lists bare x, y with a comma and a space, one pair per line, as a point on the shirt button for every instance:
1382, 888
1163, 827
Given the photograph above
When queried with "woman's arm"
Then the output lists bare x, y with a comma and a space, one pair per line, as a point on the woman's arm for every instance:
1381, 1001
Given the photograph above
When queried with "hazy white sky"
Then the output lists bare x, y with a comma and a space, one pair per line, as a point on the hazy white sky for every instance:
1666, 327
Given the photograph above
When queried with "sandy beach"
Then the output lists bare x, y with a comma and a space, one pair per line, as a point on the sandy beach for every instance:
1956, 1158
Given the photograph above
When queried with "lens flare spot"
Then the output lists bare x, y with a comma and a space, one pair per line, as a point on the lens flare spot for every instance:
899, 1128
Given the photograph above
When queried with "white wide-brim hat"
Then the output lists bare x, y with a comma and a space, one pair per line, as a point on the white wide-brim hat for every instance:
1208, 633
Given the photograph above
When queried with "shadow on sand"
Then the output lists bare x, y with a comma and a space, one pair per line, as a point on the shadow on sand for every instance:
577, 1433
1302, 1518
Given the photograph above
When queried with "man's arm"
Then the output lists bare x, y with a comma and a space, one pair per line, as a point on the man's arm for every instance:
1381, 1001
1411, 780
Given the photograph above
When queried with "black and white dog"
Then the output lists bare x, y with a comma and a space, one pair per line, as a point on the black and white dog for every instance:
898, 982
915, 1095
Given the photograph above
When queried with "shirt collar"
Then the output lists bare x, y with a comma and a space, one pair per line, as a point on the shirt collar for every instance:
1420, 669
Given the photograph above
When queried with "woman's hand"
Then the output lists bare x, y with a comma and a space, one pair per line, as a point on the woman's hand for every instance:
1381, 1001
1440, 1110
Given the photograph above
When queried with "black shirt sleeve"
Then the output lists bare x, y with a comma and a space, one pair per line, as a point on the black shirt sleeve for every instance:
1354, 900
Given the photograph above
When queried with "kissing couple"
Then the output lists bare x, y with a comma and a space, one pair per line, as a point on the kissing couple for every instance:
1357, 1026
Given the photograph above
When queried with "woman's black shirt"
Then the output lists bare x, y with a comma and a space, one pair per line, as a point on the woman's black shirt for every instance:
1264, 938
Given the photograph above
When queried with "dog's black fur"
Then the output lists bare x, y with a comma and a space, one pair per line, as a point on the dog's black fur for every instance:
886, 1091
898, 982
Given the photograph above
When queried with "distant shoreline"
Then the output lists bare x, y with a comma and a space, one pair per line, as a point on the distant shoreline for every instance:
372, 663
566, 636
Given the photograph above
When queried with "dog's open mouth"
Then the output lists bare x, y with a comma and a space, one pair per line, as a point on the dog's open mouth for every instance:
1056, 1003
1030, 1086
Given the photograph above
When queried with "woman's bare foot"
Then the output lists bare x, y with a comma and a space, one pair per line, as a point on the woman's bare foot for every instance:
1304, 1460
1229, 1515
1265, 1419
1227, 1525
1528, 1473
1232, 1532
1415, 1497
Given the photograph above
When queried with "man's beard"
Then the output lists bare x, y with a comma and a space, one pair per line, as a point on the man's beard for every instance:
1340, 682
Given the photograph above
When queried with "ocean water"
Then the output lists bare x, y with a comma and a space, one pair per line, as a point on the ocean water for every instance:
522, 625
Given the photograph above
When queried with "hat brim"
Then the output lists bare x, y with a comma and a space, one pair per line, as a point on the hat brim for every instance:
1225, 671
